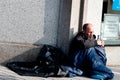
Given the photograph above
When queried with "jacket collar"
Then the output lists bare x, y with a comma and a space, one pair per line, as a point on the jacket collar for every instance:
84, 36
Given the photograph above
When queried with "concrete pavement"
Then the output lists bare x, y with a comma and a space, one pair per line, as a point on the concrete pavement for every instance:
116, 70
6, 74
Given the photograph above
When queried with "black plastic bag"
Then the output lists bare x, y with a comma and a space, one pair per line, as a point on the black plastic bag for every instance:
34, 70
51, 55
48, 64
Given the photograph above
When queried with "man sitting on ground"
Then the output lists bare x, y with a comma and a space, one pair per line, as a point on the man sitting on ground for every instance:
88, 54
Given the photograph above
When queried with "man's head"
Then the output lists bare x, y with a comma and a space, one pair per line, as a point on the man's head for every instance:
88, 30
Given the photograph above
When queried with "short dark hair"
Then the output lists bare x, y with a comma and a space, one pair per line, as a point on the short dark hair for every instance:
85, 26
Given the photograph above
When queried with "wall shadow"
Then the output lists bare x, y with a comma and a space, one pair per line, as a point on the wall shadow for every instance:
28, 55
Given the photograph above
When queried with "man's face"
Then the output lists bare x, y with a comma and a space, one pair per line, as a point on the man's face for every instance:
89, 31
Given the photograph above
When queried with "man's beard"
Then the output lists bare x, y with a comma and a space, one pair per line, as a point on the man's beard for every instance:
90, 37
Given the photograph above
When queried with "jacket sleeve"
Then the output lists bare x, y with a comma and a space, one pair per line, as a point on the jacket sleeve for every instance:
79, 43
90, 43
86, 43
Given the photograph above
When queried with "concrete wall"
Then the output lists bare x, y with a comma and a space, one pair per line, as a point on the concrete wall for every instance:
93, 13
113, 55
29, 21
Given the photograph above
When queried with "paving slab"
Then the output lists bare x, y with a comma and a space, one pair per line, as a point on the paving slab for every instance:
7, 74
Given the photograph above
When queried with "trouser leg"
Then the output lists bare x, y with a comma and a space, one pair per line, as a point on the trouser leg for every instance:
101, 53
97, 65
90, 63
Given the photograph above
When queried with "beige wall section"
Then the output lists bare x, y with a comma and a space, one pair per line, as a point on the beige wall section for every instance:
74, 22
113, 55
93, 13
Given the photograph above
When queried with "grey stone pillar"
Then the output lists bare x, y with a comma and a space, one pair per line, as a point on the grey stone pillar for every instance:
68, 22
64, 25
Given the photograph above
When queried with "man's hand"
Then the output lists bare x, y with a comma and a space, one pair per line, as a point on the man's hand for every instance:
100, 42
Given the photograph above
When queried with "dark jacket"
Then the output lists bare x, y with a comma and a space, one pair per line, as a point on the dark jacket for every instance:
80, 42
